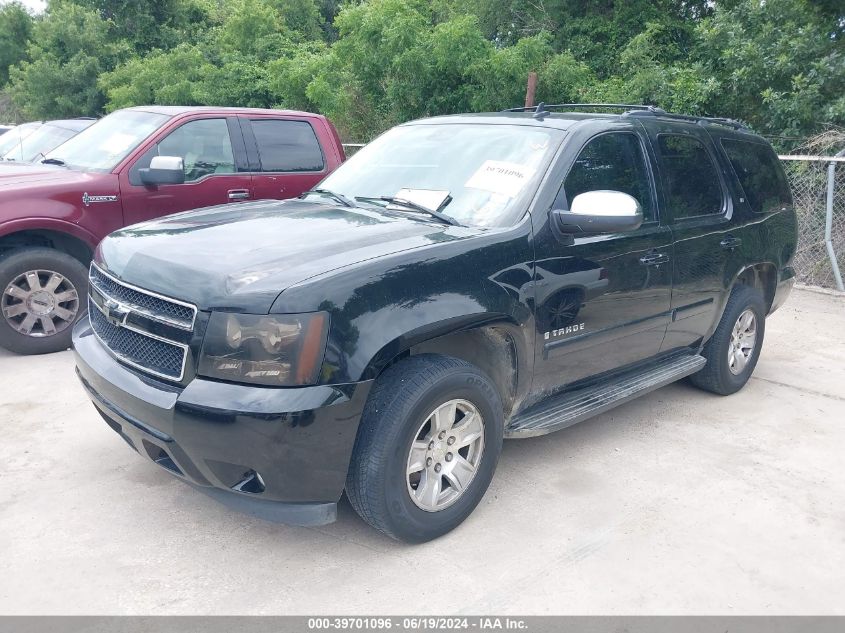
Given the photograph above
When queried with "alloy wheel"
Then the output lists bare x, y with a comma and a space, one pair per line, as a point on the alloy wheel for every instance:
445, 455
742, 343
40, 303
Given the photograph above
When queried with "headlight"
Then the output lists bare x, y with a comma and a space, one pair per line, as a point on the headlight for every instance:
279, 350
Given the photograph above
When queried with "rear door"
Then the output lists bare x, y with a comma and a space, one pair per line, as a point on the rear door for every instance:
284, 154
213, 153
705, 228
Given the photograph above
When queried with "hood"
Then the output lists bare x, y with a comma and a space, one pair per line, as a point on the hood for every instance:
241, 256
14, 174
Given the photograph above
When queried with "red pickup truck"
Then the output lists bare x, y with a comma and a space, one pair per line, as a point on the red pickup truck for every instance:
134, 165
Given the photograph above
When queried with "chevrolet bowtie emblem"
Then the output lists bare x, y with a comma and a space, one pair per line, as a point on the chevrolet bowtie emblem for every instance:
115, 312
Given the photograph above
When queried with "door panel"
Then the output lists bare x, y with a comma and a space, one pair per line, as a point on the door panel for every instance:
214, 171
601, 301
285, 156
699, 210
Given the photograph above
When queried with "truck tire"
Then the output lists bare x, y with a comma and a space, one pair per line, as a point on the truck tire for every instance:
734, 348
428, 444
43, 295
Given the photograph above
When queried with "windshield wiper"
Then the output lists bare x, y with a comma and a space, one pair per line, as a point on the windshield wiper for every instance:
408, 204
53, 161
339, 197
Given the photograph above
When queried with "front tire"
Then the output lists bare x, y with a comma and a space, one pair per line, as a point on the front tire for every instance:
42, 295
428, 444
733, 350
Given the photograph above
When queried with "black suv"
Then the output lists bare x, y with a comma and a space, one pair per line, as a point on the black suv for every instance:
461, 279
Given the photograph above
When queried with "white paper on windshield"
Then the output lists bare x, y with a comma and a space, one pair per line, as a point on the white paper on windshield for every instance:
429, 198
501, 177
117, 143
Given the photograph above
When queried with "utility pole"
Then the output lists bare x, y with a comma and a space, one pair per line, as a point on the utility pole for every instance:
530, 90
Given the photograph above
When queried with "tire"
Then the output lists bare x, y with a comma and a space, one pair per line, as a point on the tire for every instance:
398, 414
61, 306
722, 375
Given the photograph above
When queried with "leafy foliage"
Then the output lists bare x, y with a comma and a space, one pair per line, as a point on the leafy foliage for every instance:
369, 64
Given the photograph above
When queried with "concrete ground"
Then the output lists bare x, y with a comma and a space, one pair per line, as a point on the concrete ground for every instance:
680, 502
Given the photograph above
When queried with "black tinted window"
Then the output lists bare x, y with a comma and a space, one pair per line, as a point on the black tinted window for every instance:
690, 177
759, 173
287, 145
612, 162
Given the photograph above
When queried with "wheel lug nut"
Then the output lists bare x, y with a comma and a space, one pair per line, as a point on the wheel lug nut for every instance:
431, 445
442, 435
428, 462
437, 468
451, 440
448, 457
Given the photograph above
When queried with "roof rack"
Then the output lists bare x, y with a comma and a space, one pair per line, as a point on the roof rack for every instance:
541, 110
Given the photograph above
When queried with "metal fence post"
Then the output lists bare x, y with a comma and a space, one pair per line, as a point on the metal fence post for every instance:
828, 222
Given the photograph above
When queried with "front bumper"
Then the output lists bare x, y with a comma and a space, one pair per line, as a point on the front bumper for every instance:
281, 454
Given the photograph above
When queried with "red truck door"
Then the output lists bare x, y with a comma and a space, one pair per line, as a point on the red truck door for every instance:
216, 170
285, 154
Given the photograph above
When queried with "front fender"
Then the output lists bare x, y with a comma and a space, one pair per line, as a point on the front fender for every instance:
382, 307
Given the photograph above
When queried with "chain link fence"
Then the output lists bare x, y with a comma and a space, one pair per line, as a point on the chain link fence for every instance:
809, 169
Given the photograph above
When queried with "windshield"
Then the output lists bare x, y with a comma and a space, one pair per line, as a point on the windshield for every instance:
489, 171
103, 145
42, 140
14, 136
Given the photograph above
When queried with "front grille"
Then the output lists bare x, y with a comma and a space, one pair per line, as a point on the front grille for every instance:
179, 314
139, 328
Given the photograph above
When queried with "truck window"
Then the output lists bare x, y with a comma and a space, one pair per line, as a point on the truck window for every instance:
615, 162
690, 178
204, 146
759, 173
287, 145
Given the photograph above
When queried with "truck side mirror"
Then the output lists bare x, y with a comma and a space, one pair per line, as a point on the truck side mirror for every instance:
600, 212
163, 170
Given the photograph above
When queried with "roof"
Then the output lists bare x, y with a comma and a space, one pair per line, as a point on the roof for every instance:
180, 110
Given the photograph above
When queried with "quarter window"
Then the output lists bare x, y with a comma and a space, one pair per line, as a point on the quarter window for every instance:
759, 173
287, 145
691, 181
613, 162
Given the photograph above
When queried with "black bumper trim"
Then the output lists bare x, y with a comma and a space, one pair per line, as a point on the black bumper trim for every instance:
302, 514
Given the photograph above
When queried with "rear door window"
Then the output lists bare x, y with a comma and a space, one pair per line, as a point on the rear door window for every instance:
287, 146
690, 178
762, 179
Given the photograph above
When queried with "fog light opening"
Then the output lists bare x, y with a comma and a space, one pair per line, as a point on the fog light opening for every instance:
251, 483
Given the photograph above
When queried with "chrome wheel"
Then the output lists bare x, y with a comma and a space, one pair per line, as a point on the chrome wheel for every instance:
445, 455
743, 342
40, 303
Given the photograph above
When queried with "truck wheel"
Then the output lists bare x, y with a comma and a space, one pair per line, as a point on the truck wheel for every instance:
734, 348
43, 296
427, 447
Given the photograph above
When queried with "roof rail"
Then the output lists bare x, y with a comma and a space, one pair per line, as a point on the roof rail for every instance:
584, 106
542, 109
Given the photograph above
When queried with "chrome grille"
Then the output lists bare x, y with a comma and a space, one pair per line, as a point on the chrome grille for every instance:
156, 307
148, 354
128, 322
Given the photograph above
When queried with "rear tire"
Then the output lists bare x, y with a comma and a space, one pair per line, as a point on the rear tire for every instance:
428, 444
733, 350
42, 295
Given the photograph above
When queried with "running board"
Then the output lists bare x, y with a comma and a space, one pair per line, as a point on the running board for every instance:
566, 409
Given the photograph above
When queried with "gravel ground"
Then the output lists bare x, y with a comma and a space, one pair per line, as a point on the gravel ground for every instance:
680, 502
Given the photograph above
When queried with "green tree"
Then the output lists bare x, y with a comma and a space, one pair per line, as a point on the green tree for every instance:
15, 33
70, 48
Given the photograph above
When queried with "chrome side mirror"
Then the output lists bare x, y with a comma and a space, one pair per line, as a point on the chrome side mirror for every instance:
164, 170
600, 212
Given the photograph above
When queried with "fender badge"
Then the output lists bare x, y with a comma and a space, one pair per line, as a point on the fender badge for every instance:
87, 200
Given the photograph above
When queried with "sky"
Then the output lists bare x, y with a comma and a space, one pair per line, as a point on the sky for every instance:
36, 6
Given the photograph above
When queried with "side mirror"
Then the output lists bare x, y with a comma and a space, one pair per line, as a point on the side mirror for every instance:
163, 170
600, 212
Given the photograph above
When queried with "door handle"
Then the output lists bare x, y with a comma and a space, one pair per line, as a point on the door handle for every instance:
238, 194
654, 259
730, 242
